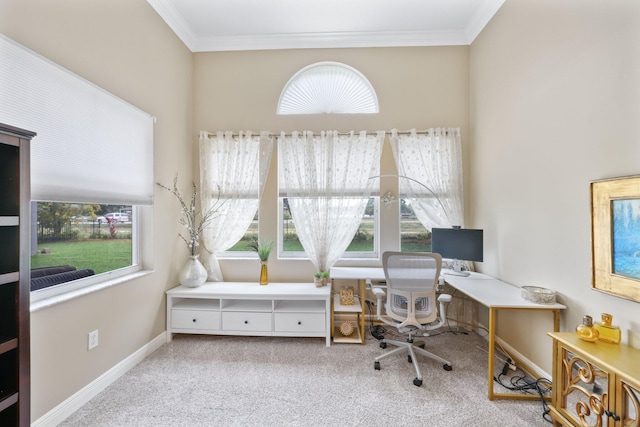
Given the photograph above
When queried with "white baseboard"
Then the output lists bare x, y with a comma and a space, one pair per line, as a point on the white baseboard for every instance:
530, 367
77, 400
533, 369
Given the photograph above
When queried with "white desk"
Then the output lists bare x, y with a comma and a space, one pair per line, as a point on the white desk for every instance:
357, 273
497, 295
492, 293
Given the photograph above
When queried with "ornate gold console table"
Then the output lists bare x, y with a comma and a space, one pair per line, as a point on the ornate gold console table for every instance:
594, 383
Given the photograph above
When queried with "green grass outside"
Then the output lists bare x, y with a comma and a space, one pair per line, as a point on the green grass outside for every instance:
413, 246
111, 254
413, 239
99, 255
366, 246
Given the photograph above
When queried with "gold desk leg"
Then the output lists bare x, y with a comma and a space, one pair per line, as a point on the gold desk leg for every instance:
556, 320
492, 342
363, 296
493, 314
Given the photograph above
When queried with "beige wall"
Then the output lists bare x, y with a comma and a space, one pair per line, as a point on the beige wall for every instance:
554, 101
124, 47
547, 98
416, 87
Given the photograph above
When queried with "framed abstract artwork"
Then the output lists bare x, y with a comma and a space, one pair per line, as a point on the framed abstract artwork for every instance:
615, 236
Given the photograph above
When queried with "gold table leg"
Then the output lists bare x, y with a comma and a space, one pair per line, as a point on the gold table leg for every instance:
492, 350
493, 314
363, 296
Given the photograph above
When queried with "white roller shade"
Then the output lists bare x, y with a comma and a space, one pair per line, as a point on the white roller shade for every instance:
91, 146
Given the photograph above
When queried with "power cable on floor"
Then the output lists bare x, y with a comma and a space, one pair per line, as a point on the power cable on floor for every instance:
540, 386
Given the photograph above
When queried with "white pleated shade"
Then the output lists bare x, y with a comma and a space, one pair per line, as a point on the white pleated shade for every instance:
328, 88
91, 146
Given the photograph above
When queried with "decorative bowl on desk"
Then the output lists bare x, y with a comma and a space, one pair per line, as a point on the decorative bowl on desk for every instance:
538, 295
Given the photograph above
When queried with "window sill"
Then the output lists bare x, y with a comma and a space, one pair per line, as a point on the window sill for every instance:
237, 255
67, 296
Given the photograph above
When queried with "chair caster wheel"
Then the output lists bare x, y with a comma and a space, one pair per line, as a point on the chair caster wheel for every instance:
409, 359
447, 367
376, 366
417, 382
383, 345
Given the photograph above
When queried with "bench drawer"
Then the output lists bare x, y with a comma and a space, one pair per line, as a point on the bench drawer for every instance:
195, 319
246, 321
300, 322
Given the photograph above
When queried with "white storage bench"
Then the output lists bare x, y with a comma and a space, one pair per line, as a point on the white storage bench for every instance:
247, 308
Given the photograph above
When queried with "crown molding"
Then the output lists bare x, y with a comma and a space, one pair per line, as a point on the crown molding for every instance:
176, 22
481, 18
328, 40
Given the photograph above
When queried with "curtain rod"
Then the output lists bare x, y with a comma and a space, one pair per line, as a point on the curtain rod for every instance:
409, 132
406, 132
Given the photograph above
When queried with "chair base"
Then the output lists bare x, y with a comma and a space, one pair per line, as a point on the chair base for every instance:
411, 349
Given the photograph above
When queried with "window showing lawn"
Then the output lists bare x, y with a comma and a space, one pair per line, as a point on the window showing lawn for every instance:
74, 237
99, 255
364, 243
250, 236
414, 237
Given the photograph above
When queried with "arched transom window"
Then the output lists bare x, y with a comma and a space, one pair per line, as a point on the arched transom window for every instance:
328, 88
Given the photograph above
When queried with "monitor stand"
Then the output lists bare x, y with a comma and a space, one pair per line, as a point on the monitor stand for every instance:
456, 273
457, 270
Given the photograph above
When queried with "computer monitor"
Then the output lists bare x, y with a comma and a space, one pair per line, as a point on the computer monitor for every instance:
458, 244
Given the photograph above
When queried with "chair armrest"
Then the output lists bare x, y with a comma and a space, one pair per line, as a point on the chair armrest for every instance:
444, 298
378, 292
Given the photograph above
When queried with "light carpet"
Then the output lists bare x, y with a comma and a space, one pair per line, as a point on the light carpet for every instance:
272, 381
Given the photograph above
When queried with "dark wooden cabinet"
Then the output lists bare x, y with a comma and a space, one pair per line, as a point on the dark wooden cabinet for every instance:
14, 276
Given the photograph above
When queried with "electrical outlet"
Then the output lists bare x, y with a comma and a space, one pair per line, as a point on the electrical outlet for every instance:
93, 339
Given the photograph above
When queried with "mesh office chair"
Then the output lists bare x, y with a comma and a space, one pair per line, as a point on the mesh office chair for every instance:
411, 303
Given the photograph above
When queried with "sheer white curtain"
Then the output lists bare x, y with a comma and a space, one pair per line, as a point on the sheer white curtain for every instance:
233, 168
431, 159
326, 180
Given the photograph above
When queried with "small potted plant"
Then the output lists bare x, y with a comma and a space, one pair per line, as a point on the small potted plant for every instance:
263, 250
325, 277
317, 279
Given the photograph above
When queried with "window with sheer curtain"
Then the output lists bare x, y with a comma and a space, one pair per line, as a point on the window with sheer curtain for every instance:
233, 169
325, 180
430, 184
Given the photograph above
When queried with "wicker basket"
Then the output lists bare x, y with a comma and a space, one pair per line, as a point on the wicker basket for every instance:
346, 295
538, 295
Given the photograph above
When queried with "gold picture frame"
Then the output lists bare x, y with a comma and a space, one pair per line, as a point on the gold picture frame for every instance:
615, 236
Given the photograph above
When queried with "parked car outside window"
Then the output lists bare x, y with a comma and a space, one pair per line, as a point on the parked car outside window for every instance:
117, 217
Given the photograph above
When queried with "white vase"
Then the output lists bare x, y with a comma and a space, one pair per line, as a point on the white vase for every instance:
193, 274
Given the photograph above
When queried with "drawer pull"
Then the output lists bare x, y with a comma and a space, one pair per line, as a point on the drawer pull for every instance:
299, 323
194, 320
613, 415
246, 322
